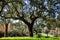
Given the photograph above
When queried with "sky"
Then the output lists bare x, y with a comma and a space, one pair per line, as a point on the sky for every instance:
27, 7
5, 9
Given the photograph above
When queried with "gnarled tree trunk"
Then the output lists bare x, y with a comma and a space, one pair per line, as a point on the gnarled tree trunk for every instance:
30, 27
6, 30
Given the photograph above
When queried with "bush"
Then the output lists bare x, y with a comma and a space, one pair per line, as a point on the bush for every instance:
56, 34
14, 34
39, 35
1, 34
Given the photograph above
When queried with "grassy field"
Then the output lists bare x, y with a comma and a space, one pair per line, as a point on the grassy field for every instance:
51, 37
43, 37
29, 38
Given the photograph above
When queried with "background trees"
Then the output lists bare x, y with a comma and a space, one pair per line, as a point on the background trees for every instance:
29, 11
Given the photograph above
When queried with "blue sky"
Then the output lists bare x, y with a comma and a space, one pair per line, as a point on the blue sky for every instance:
27, 7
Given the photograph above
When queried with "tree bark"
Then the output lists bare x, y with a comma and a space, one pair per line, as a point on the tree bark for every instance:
6, 30
30, 28
30, 25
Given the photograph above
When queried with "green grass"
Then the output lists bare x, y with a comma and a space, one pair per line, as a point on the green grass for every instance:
43, 34
29, 38
51, 37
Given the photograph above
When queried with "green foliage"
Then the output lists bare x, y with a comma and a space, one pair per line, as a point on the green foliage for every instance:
1, 34
14, 34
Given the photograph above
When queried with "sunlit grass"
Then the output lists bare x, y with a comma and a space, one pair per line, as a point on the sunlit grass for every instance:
29, 38
43, 34
43, 37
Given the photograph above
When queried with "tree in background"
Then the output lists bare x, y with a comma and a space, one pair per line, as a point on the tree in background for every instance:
46, 30
28, 11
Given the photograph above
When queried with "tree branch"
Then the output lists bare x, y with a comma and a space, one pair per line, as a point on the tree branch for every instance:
33, 20
21, 16
34, 17
3, 5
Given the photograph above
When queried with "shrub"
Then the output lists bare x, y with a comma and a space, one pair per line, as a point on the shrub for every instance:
14, 33
39, 35
1, 34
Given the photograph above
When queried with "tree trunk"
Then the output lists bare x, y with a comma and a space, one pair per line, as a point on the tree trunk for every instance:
30, 30
6, 30
47, 34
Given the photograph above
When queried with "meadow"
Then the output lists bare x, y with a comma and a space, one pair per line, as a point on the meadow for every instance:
29, 38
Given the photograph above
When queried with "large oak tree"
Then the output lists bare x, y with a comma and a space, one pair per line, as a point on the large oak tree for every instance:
14, 9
